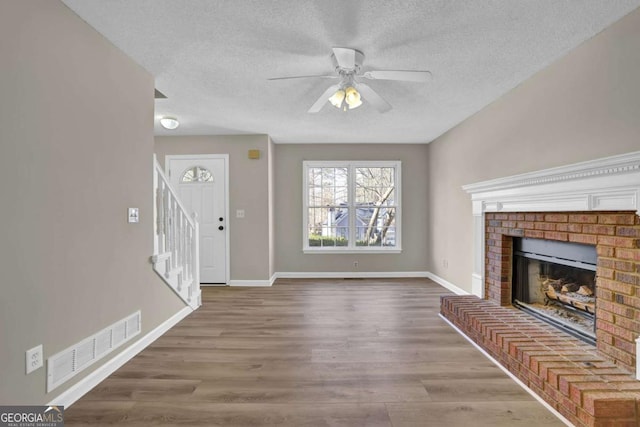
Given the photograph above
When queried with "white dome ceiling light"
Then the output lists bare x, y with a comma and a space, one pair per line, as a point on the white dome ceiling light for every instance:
169, 123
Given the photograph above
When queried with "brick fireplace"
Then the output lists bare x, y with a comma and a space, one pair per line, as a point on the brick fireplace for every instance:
592, 203
616, 236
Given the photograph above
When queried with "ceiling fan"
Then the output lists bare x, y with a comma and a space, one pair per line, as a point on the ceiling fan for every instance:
350, 91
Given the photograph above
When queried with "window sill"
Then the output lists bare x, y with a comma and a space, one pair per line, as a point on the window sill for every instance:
334, 251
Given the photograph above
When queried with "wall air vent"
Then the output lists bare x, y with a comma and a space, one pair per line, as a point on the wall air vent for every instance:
64, 365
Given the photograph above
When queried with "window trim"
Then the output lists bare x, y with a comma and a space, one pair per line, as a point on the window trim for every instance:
351, 165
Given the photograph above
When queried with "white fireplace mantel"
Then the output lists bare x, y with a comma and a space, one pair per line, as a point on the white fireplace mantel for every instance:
607, 184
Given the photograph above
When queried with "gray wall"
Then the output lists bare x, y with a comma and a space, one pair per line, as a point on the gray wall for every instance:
249, 190
585, 106
76, 143
288, 208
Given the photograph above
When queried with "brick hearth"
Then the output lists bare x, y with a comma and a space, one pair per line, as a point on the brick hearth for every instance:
572, 377
589, 386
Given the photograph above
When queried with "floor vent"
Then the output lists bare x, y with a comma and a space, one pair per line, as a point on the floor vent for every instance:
64, 365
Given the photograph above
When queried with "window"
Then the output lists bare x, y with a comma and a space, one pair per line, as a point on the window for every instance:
351, 206
196, 174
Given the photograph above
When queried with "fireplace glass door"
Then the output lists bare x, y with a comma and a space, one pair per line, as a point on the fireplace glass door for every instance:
555, 281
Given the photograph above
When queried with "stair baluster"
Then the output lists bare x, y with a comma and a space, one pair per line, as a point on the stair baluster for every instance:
176, 249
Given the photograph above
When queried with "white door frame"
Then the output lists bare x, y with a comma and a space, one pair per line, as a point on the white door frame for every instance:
224, 157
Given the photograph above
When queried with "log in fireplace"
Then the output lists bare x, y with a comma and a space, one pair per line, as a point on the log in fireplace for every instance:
556, 282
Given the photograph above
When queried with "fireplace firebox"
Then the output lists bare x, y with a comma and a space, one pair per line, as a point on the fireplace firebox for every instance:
556, 282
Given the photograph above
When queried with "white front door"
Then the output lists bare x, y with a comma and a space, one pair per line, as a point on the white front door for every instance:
200, 182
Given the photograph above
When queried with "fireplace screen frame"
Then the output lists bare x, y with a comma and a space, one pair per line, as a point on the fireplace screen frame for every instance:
564, 254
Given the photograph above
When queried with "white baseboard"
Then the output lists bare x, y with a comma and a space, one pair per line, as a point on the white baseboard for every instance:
506, 371
446, 284
82, 387
249, 283
349, 274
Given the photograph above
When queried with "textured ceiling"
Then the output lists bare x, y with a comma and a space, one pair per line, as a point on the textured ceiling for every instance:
212, 58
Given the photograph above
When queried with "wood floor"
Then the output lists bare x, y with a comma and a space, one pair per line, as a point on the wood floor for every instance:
312, 353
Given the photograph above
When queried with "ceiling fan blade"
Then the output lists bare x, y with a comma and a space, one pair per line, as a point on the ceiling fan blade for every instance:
320, 76
372, 96
408, 76
345, 57
317, 106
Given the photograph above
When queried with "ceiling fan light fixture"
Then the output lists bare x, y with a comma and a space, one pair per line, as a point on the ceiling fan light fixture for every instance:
355, 105
337, 98
352, 98
347, 67
169, 123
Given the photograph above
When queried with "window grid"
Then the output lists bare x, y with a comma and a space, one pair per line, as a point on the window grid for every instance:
366, 218
196, 174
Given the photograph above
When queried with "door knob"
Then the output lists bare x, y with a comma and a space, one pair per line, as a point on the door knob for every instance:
220, 219
221, 228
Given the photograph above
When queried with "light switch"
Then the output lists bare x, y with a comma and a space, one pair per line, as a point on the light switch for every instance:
240, 213
133, 215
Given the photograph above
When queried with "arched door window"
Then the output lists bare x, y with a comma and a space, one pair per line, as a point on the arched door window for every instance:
196, 174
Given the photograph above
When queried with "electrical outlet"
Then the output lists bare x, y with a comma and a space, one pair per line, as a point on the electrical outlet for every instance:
34, 358
355, 264
445, 263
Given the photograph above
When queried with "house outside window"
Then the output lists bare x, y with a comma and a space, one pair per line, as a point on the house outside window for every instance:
351, 207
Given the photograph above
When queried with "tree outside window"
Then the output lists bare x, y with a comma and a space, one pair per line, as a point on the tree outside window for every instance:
352, 206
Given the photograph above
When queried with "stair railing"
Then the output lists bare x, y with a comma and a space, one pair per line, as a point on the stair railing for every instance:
176, 250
